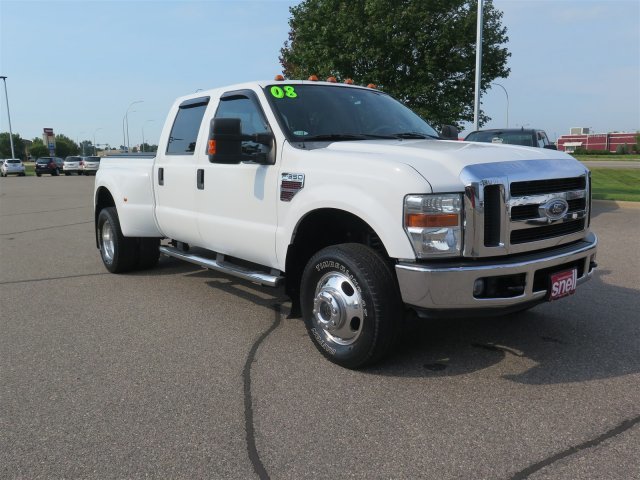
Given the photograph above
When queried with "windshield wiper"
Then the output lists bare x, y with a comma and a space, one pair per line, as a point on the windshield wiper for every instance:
334, 136
410, 135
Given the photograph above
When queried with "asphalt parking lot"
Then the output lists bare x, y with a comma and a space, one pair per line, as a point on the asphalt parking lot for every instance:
183, 373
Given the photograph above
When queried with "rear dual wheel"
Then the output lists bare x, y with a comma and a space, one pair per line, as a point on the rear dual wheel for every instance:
122, 254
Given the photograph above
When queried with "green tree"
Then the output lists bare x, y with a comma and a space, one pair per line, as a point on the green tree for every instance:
65, 146
149, 148
420, 51
38, 149
5, 145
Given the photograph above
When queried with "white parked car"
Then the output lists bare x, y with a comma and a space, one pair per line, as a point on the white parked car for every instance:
72, 164
12, 166
91, 165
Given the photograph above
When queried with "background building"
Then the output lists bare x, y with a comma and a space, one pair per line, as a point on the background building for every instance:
583, 139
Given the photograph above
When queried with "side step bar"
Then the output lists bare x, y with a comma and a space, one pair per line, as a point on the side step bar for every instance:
219, 265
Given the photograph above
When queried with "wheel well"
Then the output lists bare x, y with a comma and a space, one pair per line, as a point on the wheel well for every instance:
320, 229
103, 200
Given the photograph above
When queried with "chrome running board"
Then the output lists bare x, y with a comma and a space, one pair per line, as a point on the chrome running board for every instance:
220, 265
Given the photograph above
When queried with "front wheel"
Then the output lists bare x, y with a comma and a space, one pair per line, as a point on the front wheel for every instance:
350, 304
118, 252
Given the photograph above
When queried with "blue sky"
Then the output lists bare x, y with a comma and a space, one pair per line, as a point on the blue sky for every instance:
76, 66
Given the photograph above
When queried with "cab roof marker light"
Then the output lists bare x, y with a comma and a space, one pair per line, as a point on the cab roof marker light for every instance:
278, 78
348, 81
313, 78
372, 85
332, 79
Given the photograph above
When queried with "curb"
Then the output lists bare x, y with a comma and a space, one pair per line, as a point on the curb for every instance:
617, 203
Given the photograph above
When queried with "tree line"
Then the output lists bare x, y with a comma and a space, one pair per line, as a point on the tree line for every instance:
65, 146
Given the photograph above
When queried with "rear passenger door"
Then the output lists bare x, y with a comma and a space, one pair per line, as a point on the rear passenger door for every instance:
174, 174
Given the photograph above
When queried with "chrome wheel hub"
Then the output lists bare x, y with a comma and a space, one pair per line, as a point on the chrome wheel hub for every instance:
108, 242
337, 308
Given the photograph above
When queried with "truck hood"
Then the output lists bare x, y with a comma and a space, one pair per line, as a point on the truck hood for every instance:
440, 161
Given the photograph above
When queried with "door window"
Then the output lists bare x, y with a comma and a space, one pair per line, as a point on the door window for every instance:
184, 132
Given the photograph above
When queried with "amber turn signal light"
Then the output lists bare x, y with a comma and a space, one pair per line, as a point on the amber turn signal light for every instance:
212, 147
421, 220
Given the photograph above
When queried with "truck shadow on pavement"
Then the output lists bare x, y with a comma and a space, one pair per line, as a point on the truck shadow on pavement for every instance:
591, 335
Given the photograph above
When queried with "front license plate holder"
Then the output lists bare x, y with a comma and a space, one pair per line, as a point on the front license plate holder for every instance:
562, 284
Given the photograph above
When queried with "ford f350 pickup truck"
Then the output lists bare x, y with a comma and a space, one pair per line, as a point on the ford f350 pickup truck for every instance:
355, 204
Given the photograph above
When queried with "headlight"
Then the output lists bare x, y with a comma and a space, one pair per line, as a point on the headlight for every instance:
434, 224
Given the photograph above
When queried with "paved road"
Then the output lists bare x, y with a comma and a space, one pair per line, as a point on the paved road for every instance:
612, 164
183, 373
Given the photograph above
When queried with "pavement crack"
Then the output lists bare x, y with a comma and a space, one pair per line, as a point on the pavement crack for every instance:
30, 280
252, 449
621, 428
46, 228
42, 211
494, 347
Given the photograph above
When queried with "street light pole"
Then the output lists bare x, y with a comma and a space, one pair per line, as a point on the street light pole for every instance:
505, 92
476, 103
143, 132
13, 152
125, 120
95, 151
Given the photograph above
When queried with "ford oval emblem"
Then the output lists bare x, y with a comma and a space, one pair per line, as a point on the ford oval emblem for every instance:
554, 209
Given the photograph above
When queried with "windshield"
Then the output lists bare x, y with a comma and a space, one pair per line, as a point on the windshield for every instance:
93, 159
44, 160
323, 112
72, 159
13, 161
509, 138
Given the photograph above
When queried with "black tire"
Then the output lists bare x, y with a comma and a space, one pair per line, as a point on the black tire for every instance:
117, 251
23, 174
66, 174
38, 174
340, 284
148, 253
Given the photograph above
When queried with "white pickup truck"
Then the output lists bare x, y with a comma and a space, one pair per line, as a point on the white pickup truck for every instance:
355, 204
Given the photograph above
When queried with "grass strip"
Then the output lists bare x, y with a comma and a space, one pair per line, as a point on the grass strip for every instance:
605, 158
616, 184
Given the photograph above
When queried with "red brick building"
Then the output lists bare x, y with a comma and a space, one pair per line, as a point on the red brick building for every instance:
581, 138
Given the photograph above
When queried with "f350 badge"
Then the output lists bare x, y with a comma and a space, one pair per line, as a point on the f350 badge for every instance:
290, 184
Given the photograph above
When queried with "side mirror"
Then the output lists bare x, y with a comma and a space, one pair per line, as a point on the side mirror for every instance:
225, 140
449, 132
551, 147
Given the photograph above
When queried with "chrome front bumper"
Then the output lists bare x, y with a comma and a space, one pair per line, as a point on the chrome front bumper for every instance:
449, 286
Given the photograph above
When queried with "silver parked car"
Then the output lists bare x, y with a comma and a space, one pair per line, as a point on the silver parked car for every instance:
12, 166
72, 164
91, 165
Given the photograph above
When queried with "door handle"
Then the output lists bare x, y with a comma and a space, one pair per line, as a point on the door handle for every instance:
160, 176
200, 179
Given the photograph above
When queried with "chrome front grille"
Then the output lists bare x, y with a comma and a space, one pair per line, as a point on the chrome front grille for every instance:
511, 207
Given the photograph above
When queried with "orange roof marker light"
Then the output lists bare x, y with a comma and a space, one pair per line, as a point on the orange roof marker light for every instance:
332, 79
372, 85
278, 78
348, 81
313, 78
